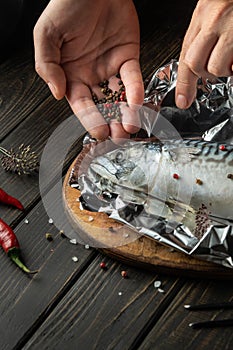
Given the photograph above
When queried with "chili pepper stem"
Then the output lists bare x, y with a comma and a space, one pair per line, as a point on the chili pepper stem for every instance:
14, 255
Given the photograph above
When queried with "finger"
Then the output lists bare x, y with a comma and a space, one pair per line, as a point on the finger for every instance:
185, 86
221, 58
47, 61
132, 78
117, 132
199, 51
80, 100
130, 118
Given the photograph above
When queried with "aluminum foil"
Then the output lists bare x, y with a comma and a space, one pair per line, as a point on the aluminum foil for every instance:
209, 118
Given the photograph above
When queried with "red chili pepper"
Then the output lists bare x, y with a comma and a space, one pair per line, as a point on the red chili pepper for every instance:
10, 245
7, 199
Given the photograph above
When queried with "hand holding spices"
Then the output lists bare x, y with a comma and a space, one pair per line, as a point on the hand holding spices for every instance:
103, 41
10, 245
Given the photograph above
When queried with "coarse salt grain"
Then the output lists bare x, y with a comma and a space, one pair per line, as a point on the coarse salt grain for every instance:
90, 218
119, 293
74, 258
73, 241
160, 290
26, 221
50, 221
87, 246
157, 284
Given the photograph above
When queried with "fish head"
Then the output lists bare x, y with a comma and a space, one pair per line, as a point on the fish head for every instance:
125, 168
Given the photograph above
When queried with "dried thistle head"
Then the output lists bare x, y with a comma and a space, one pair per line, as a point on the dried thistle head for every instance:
21, 162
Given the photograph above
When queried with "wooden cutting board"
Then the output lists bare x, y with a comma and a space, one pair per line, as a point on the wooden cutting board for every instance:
124, 244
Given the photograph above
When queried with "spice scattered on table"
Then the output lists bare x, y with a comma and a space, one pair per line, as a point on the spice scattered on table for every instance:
75, 259
87, 246
124, 274
26, 221
49, 237
21, 162
157, 284
73, 241
10, 245
50, 221
8, 199
62, 234
103, 265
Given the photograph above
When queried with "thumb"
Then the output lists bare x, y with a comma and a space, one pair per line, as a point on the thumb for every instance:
47, 60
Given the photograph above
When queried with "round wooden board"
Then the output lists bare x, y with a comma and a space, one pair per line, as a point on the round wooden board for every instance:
124, 244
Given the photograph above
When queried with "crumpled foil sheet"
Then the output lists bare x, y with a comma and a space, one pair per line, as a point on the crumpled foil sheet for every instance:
209, 118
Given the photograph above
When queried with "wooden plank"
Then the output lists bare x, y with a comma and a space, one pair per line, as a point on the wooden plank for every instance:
26, 300
103, 310
21, 90
35, 131
172, 330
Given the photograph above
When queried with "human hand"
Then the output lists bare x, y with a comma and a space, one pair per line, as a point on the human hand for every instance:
80, 43
207, 49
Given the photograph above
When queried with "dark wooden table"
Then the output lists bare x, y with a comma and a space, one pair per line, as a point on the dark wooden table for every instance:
77, 305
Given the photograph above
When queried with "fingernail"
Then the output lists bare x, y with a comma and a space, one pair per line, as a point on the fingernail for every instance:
52, 89
181, 101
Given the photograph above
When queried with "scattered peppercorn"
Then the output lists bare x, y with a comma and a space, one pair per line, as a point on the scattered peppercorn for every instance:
230, 176
199, 182
103, 265
176, 176
7, 199
10, 245
62, 234
124, 274
222, 148
49, 237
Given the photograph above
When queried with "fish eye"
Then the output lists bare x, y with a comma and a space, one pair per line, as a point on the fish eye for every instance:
119, 157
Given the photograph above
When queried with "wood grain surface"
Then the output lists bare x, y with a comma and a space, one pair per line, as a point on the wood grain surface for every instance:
77, 305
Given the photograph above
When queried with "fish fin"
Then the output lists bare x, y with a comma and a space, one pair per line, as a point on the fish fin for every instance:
183, 154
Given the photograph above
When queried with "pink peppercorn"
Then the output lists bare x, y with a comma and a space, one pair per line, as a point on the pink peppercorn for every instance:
176, 176
222, 148
103, 265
